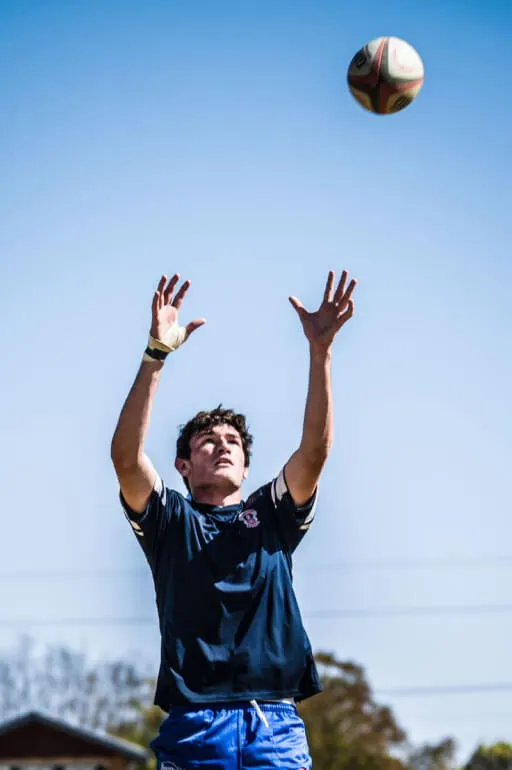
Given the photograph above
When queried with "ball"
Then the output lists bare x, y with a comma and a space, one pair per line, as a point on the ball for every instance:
386, 75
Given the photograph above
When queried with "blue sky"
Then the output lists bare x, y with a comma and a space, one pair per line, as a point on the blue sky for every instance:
219, 140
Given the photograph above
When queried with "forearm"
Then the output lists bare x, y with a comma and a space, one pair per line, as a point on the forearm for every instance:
127, 447
317, 434
304, 467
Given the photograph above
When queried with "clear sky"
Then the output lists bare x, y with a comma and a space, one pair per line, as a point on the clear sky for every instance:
219, 140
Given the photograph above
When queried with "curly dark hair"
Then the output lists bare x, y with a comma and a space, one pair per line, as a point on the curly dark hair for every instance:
206, 420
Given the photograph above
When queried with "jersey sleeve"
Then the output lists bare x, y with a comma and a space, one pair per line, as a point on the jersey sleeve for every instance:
293, 520
152, 526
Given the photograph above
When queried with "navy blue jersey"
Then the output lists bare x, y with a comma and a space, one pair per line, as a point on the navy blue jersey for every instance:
230, 624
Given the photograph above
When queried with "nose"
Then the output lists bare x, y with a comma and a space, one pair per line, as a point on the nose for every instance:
223, 446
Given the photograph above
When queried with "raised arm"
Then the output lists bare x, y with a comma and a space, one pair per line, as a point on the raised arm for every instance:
303, 469
134, 469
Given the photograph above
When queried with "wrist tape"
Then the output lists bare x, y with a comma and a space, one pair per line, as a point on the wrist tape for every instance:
157, 350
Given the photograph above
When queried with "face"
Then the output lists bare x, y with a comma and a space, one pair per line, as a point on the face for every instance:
217, 460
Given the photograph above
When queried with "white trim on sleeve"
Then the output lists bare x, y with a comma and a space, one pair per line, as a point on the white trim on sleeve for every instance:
160, 489
279, 488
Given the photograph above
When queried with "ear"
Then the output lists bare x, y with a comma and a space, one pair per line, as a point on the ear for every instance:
246, 473
182, 466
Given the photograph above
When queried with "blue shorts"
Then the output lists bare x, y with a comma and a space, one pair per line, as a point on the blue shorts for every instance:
233, 737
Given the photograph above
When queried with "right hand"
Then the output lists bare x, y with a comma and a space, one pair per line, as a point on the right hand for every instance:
164, 310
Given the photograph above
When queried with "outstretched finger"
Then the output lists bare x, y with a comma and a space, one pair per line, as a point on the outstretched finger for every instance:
158, 295
341, 287
297, 304
161, 284
348, 294
193, 325
155, 305
178, 299
328, 287
167, 294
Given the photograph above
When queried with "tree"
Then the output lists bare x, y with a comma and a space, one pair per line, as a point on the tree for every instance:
495, 757
142, 730
347, 729
438, 756
64, 683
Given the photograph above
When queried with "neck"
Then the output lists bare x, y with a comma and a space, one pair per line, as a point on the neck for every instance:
217, 497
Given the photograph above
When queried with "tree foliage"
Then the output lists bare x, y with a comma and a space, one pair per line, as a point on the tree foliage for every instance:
142, 730
347, 729
64, 683
495, 757
437, 756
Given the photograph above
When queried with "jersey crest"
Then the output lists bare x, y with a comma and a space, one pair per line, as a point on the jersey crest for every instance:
250, 518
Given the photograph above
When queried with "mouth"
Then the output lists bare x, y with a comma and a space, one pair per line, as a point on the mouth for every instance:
222, 462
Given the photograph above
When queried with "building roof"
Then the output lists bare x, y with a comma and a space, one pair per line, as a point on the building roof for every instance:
98, 740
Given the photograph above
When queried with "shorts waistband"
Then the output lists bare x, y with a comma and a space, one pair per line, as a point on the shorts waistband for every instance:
283, 704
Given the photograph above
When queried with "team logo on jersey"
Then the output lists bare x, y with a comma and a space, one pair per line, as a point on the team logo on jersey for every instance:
250, 518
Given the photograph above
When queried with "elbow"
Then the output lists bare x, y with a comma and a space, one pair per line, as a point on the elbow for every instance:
115, 451
122, 458
316, 456
319, 460
326, 448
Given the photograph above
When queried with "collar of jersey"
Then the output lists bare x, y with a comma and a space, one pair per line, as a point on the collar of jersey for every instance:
217, 510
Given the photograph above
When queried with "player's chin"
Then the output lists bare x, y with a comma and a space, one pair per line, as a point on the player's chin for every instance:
228, 473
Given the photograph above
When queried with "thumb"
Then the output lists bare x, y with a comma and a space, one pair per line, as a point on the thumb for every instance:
299, 307
193, 325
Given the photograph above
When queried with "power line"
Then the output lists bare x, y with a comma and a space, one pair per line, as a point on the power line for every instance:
418, 564
349, 614
384, 692
465, 689
392, 692
398, 564
78, 622
97, 574
456, 609
415, 691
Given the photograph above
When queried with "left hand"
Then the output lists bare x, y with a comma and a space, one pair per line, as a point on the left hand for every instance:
336, 309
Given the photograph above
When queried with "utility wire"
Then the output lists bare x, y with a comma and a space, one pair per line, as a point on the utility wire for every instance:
350, 614
346, 566
464, 689
456, 609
